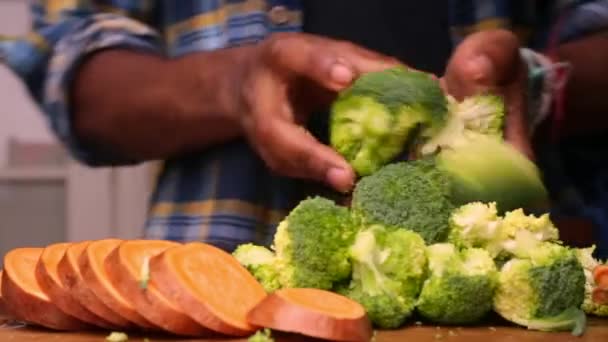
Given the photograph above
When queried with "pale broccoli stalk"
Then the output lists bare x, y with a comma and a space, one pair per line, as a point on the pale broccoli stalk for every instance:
476, 115
460, 287
543, 290
389, 267
372, 121
589, 263
478, 224
311, 244
474, 224
261, 263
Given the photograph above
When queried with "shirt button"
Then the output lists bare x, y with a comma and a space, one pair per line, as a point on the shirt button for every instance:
279, 15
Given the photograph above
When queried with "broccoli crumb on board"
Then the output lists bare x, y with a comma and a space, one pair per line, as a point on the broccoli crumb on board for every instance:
263, 335
116, 336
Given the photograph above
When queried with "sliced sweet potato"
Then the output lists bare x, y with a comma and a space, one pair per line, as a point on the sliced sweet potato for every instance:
23, 297
125, 270
71, 278
600, 275
599, 296
313, 312
209, 285
93, 269
48, 279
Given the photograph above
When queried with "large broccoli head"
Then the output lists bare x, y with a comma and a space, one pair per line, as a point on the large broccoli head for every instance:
478, 115
312, 243
460, 287
261, 263
372, 121
406, 195
389, 267
542, 290
590, 264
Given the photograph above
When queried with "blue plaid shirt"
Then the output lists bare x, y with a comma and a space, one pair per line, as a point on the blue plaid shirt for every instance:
224, 195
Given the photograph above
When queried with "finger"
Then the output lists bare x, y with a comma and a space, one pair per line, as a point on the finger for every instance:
334, 65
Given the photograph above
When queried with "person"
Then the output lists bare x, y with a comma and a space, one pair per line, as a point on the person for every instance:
232, 95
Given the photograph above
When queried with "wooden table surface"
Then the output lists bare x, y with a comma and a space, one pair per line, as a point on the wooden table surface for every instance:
597, 331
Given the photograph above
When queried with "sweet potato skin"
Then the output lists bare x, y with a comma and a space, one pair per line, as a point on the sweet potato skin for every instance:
33, 308
279, 313
165, 278
91, 279
149, 302
71, 279
62, 298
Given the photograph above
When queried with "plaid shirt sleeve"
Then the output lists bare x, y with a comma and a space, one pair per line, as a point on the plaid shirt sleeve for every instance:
63, 34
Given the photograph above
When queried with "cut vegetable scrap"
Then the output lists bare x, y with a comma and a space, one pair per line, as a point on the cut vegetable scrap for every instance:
127, 270
71, 277
48, 279
23, 297
313, 312
116, 336
210, 286
93, 268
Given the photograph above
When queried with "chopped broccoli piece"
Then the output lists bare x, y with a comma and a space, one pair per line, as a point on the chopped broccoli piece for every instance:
407, 195
474, 225
460, 287
262, 335
476, 115
116, 336
589, 263
544, 290
261, 263
372, 121
389, 267
489, 170
311, 244
519, 233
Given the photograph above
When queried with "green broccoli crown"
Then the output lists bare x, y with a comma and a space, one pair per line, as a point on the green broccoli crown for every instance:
261, 263
589, 263
372, 121
389, 267
406, 195
478, 115
312, 243
541, 288
461, 285
489, 170
474, 224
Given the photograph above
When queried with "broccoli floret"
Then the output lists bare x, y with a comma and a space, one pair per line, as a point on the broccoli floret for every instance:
311, 244
519, 233
589, 263
389, 267
476, 115
489, 170
474, 225
262, 335
461, 285
261, 263
372, 121
405, 195
542, 291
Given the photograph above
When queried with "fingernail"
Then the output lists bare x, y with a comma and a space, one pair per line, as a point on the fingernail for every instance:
341, 74
480, 67
339, 178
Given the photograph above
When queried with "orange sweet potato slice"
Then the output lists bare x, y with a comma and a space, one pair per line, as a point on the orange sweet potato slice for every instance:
209, 285
93, 269
599, 296
124, 269
23, 297
600, 275
313, 312
48, 279
71, 278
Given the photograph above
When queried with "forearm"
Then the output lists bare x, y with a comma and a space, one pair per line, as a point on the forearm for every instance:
148, 107
586, 93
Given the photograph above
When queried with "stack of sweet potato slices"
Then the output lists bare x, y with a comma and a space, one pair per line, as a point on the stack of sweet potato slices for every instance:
191, 289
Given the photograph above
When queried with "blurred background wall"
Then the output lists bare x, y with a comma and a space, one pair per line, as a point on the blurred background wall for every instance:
45, 196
